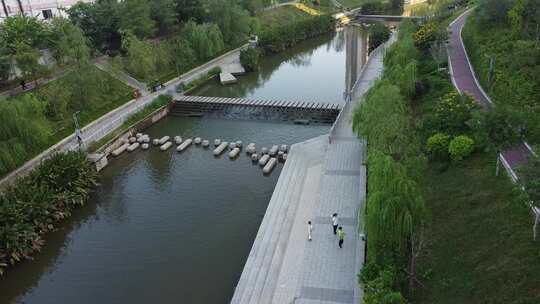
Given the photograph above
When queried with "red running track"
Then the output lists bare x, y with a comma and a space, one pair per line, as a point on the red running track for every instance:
465, 80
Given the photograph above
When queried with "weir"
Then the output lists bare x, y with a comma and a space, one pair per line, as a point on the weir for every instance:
279, 109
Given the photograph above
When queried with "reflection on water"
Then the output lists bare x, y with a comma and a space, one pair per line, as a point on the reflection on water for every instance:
313, 70
167, 227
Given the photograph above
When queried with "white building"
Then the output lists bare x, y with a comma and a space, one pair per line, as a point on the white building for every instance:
42, 9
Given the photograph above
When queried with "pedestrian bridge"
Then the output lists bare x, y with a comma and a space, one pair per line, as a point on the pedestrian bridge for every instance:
305, 111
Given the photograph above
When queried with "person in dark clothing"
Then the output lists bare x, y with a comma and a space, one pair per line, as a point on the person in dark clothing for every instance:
341, 236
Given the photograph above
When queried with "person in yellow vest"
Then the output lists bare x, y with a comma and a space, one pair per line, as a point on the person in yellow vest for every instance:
341, 236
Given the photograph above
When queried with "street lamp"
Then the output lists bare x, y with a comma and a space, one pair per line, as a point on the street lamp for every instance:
78, 133
490, 71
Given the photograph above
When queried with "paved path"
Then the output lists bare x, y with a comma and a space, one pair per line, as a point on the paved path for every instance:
31, 85
464, 80
319, 178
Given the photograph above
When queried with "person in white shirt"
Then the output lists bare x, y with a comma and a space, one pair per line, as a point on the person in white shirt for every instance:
309, 230
335, 222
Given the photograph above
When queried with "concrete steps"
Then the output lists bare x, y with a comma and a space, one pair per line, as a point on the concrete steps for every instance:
262, 267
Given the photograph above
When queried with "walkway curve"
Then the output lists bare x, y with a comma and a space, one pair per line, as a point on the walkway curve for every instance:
464, 79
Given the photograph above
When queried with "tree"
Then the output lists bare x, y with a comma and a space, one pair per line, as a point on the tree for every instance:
99, 21
68, 42
190, 10
140, 60
183, 55
164, 14
23, 131
516, 16
135, 17
382, 119
395, 208
27, 60
205, 39
494, 11
23, 29
233, 21
5, 63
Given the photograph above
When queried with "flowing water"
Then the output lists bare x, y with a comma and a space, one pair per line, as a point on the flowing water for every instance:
168, 227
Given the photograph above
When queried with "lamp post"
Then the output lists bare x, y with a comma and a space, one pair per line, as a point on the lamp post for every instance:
78, 133
490, 70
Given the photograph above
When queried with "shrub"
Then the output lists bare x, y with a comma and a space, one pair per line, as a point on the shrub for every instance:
38, 201
437, 145
425, 35
249, 58
460, 147
452, 113
380, 285
280, 37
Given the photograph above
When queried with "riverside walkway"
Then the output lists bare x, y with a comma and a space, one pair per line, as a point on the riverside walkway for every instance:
322, 176
464, 79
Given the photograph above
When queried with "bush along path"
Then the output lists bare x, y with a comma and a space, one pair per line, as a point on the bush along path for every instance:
35, 204
464, 79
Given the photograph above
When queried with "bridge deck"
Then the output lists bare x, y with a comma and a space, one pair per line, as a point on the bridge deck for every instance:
283, 104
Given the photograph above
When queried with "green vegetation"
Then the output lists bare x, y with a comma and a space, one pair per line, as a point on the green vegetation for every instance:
34, 121
202, 79
395, 213
505, 35
249, 58
479, 246
282, 36
440, 231
378, 34
37, 202
281, 15
157, 103
460, 147
382, 7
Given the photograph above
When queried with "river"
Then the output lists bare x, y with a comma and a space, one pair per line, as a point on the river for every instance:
168, 227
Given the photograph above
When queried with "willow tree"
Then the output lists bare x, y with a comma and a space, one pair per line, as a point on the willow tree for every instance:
404, 77
383, 120
24, 131
395, 213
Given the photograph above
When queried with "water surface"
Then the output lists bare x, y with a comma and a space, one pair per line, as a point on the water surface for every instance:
168, 227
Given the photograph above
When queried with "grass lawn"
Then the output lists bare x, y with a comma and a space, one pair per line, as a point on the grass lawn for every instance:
480, 247
280, 15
